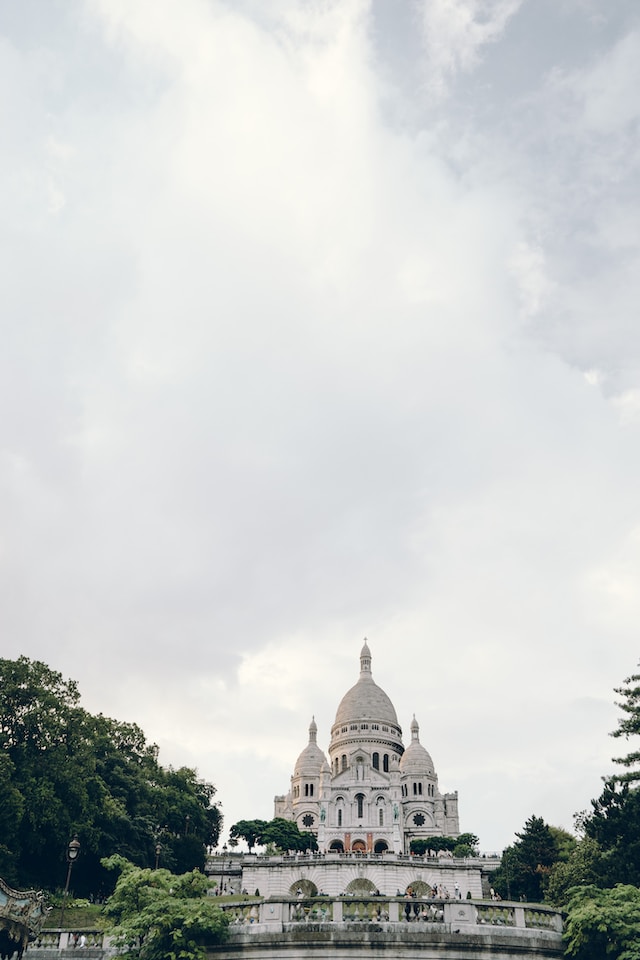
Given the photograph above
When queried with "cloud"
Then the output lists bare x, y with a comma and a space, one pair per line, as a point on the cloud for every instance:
455, 33
296, 361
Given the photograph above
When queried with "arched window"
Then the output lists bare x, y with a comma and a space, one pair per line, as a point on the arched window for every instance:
419, 789
375, 761
344, 761
381, 816
385, 763
415, 789
360, 802
339, 817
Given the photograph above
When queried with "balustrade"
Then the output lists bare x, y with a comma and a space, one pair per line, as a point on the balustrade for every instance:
391, 910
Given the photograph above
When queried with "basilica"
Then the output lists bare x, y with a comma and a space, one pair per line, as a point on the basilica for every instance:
372, 795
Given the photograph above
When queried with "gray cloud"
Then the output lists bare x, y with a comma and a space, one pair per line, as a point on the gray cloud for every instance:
296, 350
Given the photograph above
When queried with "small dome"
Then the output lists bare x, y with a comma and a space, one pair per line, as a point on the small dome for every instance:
312, 760
366, 700
416, 761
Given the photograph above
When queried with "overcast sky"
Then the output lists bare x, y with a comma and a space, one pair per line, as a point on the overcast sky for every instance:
320, 321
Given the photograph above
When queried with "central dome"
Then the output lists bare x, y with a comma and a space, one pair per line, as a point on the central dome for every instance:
365, 700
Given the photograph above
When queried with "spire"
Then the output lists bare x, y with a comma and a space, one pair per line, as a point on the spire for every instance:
365, 660
313, 730
415, 730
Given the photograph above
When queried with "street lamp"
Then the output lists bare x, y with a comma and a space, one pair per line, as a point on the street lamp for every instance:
73, 852
224, 853
158, 852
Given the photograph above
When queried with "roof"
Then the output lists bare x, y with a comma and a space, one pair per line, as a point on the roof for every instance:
366, 700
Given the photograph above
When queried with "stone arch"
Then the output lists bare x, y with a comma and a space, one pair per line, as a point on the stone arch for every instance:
304, 888
337, 846
361, 887
420, 888
380, 846
359, 846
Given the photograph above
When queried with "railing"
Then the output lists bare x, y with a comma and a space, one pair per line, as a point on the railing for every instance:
57, 939
269, 914
235, 861
288, 914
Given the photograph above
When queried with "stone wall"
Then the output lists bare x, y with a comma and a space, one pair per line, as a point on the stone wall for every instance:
398, 928
336, 874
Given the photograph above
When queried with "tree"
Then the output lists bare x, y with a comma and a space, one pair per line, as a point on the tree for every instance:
526, 864
64, 771
614, 824
464, 845
11, 809
614, 821
248, 830
604, 924
629, 726
580, 868
283, 834
157, 915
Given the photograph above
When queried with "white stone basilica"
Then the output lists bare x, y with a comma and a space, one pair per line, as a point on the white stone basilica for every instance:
372, 795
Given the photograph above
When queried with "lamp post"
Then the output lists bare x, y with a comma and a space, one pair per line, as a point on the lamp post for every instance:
73, 852
158, 852
224, 853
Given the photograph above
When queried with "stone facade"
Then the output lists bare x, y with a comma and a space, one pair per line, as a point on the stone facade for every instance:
371, 795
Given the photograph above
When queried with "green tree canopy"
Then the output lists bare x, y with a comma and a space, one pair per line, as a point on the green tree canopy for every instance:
629, 726
64, 771
248, 830
600, 881
604, 924
526, 864
580, 868
614, 824
283, 834
614, 820
156, 915
464, 845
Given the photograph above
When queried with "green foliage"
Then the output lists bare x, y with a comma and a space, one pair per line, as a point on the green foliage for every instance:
464, 845
281, 834
614, 821
65, 771
78, 914
527, 864
156, 915
604, 924
249, 830
615, 826
579, 868
285, 835
629, 726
